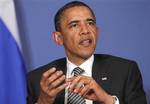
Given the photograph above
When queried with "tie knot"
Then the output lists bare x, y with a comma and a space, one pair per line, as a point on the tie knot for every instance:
77, 71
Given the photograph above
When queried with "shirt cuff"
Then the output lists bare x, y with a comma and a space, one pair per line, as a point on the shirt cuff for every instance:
116, 100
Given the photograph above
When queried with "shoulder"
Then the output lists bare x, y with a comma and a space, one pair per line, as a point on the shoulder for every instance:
112, 59
117, 64
125, 67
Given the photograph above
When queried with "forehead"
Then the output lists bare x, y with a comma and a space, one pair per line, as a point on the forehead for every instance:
77, 12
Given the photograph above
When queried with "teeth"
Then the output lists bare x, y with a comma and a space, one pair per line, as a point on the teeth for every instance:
85, 42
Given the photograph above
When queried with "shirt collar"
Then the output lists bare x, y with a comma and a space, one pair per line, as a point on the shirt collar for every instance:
87, 65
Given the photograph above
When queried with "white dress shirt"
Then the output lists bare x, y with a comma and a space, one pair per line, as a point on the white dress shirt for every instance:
87, 67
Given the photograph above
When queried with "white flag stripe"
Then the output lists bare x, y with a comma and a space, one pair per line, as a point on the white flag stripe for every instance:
7, 10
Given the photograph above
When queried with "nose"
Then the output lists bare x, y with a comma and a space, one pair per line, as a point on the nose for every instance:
84, 29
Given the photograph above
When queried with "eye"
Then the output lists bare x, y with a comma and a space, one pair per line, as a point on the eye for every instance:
91, 22
73, 25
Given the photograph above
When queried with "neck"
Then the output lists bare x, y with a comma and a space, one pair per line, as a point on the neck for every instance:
77, 60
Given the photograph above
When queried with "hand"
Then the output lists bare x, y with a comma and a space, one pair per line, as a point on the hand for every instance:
52, 82
89, 89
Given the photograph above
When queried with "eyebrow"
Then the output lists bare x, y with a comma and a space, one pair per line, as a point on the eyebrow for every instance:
90, 19
74, 21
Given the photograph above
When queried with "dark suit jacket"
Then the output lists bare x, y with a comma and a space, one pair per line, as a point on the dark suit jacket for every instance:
123, 79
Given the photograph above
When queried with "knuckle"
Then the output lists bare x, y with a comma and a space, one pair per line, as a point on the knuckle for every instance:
59, 88
44, 75
58, 81
51, 95
50, 80
52, 85
80, 76
77, 79
62, 78
41, 83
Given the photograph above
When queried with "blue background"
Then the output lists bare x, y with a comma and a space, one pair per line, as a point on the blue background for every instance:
124, 24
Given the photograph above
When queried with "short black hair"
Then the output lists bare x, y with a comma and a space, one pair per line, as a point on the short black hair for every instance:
65, 7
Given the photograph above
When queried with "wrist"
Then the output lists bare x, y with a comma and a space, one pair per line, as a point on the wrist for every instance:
44, 100
41, 101
109, 100
114, 99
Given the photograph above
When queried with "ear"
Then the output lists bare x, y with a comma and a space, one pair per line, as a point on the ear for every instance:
98, 30
57, 37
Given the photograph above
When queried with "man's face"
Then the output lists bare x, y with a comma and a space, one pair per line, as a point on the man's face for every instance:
79, 33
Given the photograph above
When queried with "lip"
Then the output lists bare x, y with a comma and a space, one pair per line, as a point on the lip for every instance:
85, 42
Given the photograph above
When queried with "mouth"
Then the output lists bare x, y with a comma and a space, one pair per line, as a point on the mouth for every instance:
86, 42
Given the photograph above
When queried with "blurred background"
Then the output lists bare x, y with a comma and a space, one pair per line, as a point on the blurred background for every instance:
124, 25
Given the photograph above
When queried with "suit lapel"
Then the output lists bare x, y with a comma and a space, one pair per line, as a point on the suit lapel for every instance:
61, 96
101, 73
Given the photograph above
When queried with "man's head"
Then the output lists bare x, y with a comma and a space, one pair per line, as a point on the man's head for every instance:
60, 12
76, 30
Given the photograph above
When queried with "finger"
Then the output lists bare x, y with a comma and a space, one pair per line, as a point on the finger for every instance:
78, 87
70, 79
74, 83
84, 90
45, 76
57, 82
50, 90
83, 81
54, 76
86, 80
48, 73
90, 97
59, 88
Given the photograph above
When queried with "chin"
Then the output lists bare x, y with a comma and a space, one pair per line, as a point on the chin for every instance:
86, 55
87, 52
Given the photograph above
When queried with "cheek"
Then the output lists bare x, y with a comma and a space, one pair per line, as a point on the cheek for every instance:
69, 41
94, 34
71, 36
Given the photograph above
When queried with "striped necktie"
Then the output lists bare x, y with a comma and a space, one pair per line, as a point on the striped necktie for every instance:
74, 98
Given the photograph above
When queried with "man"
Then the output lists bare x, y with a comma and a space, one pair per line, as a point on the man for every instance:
84, 77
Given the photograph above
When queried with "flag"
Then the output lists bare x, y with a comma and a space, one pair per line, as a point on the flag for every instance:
12, 68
